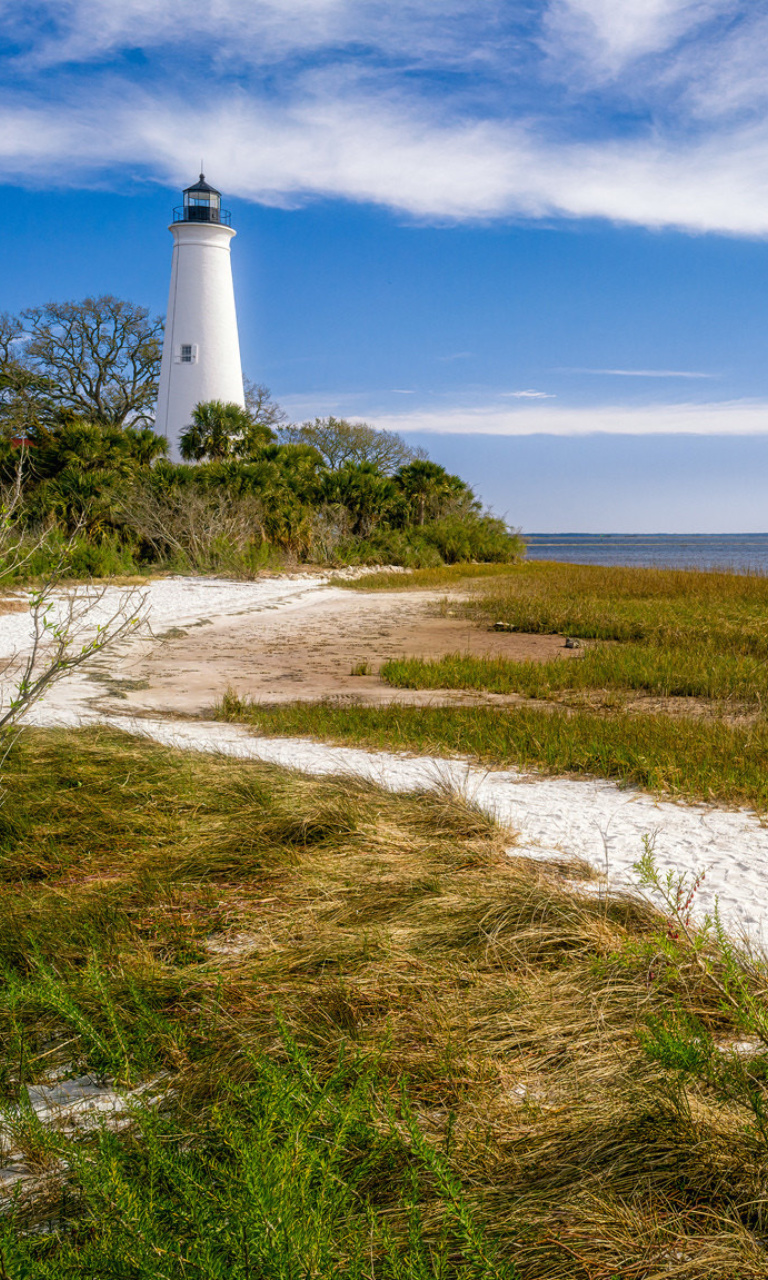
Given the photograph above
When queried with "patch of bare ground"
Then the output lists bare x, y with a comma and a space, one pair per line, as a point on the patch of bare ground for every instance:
612, 700
332, 650
279, 656
14, 604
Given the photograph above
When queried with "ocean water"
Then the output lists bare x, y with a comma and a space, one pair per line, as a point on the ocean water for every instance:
737, 552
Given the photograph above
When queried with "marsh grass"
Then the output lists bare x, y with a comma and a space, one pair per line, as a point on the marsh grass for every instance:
695, 759
663, 633
689, 671
388, 1051
727, 611
606, 603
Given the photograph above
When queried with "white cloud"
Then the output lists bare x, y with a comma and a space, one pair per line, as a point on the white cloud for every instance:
608, 34
245, 31
725, 77
643, 373
723, 418
342, 115
529, 395
390, 152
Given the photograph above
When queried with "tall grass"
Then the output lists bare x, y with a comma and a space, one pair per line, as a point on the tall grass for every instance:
697, 759
694, 670
727, 612
381, 1049
668, 633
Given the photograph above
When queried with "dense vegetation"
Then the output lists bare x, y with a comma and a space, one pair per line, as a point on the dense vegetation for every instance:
354, 1039
77, 384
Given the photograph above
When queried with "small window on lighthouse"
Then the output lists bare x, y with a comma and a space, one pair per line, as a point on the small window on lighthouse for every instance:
185, 353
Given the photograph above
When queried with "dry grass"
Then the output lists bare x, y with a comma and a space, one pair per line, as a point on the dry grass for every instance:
196, 917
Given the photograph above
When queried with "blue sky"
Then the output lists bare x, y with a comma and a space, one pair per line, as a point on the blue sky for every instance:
531, 236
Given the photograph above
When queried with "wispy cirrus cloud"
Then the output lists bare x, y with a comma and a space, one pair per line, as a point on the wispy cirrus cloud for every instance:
723, 418
528, 395
482, 110
643, 373
607, 35
252, 32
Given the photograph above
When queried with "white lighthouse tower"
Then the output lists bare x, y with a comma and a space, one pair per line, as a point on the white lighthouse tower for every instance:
201, 349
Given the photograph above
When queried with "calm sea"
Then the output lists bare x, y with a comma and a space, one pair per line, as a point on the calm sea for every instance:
740, 552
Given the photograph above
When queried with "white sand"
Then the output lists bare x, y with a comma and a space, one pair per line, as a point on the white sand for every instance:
589, 818
177, 602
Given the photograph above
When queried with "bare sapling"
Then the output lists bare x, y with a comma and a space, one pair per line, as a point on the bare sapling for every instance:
68, 627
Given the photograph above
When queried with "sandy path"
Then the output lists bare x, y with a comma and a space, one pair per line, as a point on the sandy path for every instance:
283, 638
278, 639
308, 650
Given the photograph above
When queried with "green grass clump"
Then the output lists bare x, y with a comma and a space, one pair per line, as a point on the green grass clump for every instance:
360, 1040
695, 759
696, 671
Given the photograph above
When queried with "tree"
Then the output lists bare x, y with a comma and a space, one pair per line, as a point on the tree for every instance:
430, 489
366, 493
24, 395
261, 406
340, 441
218, 431
99, 358
26, 407
11, 334
79, 471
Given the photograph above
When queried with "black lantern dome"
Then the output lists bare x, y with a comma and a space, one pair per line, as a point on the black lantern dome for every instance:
202, 203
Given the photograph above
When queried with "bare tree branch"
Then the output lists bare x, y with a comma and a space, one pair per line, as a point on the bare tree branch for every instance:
65, 630
339, 441
100, 357
262, 408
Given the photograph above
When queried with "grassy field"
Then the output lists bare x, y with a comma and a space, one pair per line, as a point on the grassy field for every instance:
374, 1046
667, 633
606, 603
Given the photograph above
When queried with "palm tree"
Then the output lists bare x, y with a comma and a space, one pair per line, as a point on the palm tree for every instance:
428, 487
218, 431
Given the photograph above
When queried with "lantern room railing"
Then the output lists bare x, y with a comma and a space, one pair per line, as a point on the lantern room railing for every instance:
201, 213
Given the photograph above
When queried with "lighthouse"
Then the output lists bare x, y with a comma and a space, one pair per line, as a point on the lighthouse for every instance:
201, 349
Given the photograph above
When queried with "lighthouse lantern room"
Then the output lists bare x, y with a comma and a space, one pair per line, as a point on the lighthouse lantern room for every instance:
201, 348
